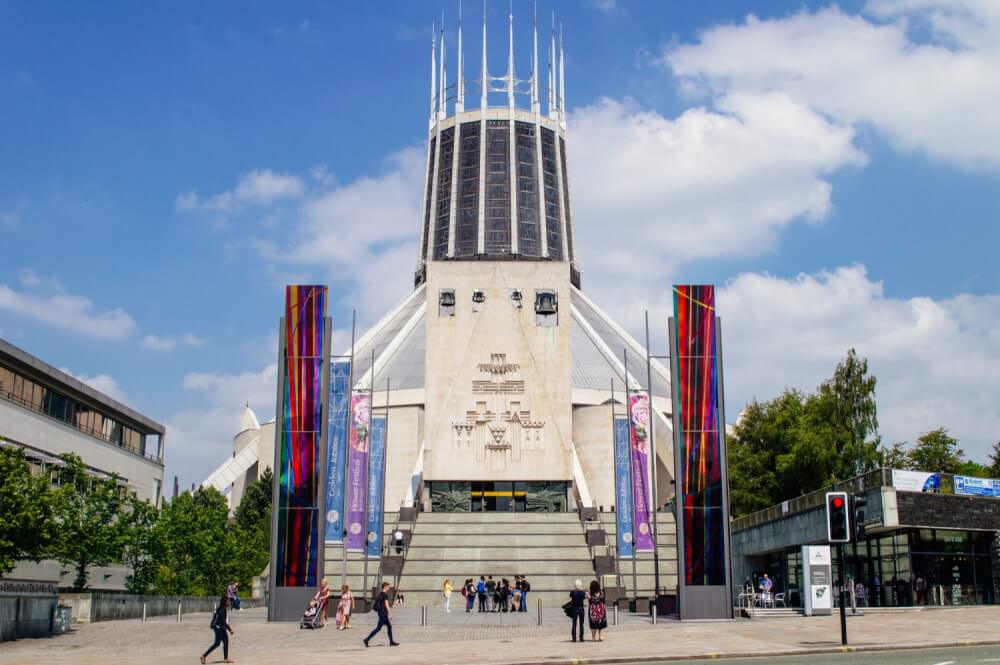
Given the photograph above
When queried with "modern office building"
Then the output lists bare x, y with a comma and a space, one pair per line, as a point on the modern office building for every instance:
47, 412
938, 527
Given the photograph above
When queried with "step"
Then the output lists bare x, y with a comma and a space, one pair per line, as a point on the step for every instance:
552, 582
521, 567
464, 529
498, 518
499, 540
447, 553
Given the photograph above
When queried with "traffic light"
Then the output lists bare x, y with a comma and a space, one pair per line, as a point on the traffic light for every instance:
838, 524
858, 515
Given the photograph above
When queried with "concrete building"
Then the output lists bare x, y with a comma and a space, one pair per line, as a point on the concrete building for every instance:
46, 412
934, 526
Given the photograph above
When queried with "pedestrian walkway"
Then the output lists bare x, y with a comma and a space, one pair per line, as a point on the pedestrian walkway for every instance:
459, 639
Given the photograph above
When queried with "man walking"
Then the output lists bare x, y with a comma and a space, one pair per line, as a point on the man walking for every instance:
384, 609
525, 588
398, 538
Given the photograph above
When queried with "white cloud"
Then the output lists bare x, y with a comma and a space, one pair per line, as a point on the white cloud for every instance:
604, 5
103, 383
930, 90
159, 343
10, 219
937, 361
257, 187
199, 439
707, 184
62, 310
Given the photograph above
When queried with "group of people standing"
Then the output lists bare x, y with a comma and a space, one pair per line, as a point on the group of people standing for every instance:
492, 595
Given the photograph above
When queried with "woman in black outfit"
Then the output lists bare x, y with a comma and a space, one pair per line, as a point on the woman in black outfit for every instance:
576, 598
220, 624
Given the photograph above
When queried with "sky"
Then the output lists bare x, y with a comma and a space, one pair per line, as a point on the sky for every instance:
165, 169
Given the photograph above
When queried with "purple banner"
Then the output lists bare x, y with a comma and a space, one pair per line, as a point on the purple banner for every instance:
357, 471
638, 408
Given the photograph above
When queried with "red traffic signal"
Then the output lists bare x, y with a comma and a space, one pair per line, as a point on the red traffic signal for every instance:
838, 522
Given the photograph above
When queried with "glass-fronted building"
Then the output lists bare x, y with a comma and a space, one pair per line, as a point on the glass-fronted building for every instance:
933, 547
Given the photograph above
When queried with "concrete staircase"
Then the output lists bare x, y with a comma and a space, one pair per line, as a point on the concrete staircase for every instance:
356, 562
644, 567
548, 548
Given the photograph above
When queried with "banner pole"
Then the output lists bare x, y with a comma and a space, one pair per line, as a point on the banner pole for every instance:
350, 424
618, 536
368, 472
652, 447
628, 420
385, 463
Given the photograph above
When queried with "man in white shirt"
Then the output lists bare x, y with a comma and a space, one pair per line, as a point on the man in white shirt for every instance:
398, 537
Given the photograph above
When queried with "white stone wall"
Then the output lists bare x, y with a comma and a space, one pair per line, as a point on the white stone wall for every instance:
536, 445
53, 437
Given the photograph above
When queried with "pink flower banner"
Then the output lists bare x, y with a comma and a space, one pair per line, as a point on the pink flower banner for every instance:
638, 408
357, 470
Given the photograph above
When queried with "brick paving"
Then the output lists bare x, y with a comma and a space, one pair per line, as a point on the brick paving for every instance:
461, 638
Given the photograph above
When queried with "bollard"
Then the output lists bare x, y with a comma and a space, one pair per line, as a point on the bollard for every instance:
616, 614
144, 612
423, 615
539, 611
655, 612
178, 611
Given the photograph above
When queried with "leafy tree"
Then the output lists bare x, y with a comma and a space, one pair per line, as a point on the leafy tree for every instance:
254, 510
141, 547
896, 456
91, 518
853, 416
937, 451
196, 546
970, 468
994, 466
26, 527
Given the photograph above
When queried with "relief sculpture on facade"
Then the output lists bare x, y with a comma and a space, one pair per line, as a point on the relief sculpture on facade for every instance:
500, 426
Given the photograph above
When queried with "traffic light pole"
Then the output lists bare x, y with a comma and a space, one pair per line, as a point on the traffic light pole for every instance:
843, 595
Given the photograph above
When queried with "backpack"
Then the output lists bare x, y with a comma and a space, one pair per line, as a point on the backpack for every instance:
525, 586
215, 619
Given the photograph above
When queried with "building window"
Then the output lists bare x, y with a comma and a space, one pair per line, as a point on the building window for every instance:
467, 225
528, 242
497, 187
427, 200
565, 183
553, 230
443, 220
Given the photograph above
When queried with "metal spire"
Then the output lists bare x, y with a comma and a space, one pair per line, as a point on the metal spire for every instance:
442, 97
510, 56
534, 66
433, 72
562, 78
552, 71
484, 100
460, 83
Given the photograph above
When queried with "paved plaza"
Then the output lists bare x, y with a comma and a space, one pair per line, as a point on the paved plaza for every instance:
506, 639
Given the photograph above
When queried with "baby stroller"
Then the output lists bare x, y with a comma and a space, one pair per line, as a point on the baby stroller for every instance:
313, 616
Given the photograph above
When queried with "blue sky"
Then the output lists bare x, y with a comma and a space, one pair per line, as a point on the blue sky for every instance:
166, 169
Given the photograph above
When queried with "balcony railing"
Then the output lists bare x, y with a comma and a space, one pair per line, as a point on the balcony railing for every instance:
99, 435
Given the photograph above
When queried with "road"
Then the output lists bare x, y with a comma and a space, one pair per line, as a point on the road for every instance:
949, 656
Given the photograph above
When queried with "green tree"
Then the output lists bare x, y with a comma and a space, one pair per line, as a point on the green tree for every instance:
896, 456
994, 466
253, 528
254, 510
91, 518
853, 416
937, 451
970, 468
141, 547
26, 527
196, 544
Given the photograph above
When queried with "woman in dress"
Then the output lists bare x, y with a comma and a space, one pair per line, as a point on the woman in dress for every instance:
446, 591
322, 599
345, 608
598, 613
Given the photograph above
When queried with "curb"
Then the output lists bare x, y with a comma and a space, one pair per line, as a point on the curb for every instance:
725, 656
